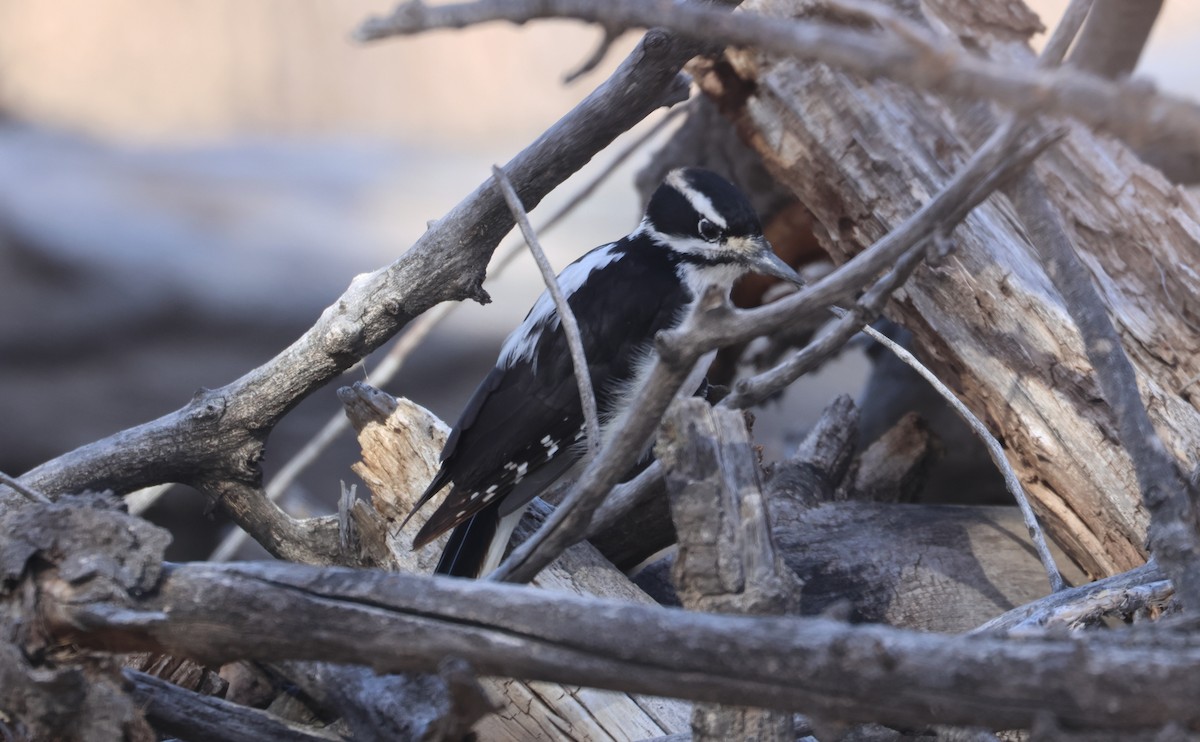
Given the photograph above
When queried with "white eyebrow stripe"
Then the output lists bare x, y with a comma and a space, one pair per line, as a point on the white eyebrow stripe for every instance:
700, 202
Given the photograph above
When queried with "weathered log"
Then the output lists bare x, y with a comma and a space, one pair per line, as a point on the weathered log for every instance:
929, 567
399, 622
400, 445
862, 156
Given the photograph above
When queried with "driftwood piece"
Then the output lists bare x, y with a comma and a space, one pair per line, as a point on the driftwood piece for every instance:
863, 156
1141, 592
179, 671
634, 539
934, 568
400, 446
726, 562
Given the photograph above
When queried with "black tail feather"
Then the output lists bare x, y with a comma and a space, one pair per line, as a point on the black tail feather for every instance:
467, 548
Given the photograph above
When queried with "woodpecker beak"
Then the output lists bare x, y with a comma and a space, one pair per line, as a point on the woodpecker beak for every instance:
764, 260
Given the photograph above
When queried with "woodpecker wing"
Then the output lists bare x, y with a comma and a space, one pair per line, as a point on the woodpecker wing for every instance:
526, 413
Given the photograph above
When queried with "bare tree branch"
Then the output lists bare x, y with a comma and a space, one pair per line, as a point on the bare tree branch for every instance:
1074, 607
28, 493
216, 442
757, 389
397, 622
917, 57
1115, 35
420, 328
566, 317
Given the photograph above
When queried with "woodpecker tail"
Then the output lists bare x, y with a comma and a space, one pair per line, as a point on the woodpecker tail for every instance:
477, 545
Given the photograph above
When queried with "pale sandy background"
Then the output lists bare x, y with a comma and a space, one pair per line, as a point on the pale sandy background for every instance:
249, 156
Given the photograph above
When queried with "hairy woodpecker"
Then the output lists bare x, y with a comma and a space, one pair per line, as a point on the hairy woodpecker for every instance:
523, 428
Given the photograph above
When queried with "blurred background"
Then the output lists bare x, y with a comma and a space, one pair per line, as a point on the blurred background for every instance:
184, 185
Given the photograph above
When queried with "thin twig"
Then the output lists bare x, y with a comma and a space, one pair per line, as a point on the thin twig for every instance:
1065, 32
566, 317
611, 34
1011, 481
919, 58
29, 493
1125, 592
757, 389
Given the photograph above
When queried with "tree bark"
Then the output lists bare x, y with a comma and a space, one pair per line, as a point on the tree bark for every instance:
396, 622
862, 156
727, 562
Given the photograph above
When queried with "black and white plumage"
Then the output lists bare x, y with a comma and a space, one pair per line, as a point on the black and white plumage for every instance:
524, 426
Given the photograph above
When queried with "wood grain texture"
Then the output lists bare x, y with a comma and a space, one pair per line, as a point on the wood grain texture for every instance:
726, 561
862, 156
398, 622
400, 443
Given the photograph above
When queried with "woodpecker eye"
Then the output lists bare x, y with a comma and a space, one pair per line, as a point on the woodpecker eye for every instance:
708, 230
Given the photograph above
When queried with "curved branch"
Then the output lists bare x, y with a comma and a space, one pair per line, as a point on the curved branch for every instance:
1133, 111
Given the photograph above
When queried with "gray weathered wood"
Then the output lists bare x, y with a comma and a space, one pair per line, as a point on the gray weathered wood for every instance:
838, 672
189, 715
863, 156
726, 560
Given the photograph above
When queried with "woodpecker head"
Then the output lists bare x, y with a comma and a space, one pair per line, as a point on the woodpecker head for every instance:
710, 223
